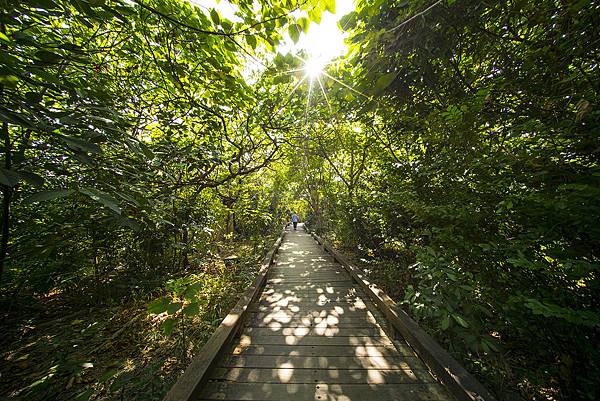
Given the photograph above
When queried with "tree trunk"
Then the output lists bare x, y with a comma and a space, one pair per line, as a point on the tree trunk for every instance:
7, 193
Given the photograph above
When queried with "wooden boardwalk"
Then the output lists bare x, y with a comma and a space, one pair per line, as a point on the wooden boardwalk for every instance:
312, 335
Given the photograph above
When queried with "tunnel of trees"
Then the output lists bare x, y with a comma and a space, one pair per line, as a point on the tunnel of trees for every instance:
453, 152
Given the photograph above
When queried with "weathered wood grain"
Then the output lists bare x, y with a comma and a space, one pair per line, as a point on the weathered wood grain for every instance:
251, 339
322, 350
395, 362
324, 392
322, 376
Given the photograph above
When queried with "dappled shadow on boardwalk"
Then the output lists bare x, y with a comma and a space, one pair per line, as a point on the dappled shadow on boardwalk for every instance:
313, 335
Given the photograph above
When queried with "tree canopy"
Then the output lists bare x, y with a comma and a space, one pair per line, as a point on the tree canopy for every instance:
453, 152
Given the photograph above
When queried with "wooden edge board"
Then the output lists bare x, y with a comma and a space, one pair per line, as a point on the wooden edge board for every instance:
458, 380
190, 383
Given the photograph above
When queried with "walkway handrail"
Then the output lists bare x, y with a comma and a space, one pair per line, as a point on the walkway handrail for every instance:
456, 378
189, 384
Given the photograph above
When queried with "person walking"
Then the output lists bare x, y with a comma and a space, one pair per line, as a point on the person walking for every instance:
295, 220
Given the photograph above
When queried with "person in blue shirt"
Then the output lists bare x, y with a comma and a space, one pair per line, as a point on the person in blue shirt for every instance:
295, 220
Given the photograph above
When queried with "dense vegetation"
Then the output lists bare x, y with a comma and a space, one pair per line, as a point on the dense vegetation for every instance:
455, 155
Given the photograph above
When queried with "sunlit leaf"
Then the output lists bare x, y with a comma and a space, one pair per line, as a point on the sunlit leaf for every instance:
384, 81
102, 198
294, 32
329, 5
214, 16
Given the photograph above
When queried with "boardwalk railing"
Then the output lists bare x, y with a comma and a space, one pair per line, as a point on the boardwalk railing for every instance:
189, 385
458, 381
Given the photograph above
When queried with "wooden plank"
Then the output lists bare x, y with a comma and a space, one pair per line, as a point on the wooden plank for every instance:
307, 298
251, 339
335, 310
338, 291
323, 350
460, 382
281, 319
323, 392
323, 376
312, 286
324, 313
339, 306
358, 324
303, 275
334, 271
189, 384
321, 311
308, 303
295, 266
326, 331
310, 281
323, 362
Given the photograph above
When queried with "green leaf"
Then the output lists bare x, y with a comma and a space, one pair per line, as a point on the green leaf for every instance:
348, 21
167, 326
17, 118
48, 56
251, 40
173, 308
84, 396
294, 31
460, 321
191, 309
45, 4
315, 15
33, 98
384, 81
304, 23
106, 376
214, 16
330, 5
80, 144
158, 306
102, 198
47, 195
146, 151
9, 178
122, 380
445, 322
32, 178
9, 80
191, 291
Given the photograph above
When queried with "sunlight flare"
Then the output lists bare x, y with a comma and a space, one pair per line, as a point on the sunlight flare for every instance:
314, 67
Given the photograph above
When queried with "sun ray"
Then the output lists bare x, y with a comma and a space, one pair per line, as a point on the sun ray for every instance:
324, 95
289, 71
347, 86
290, 95
310, 85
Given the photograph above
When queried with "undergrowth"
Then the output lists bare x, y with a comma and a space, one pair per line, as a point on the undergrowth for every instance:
118, 350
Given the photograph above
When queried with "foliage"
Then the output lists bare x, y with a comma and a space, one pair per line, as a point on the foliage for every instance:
456, 143
479, 124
